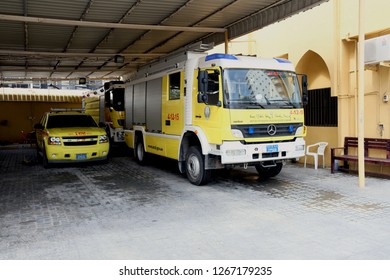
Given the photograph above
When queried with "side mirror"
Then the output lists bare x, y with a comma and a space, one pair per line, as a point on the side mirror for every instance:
203, 78
38, 126
203, 98
102, 124
305, 91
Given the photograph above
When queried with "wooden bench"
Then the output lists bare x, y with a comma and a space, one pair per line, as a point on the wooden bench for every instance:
370, 144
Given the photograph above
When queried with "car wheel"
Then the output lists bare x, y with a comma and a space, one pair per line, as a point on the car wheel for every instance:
195, 169
39, 155
45, 161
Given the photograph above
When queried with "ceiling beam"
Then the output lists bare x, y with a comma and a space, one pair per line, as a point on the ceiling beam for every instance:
110, 25
108, 34
75, 29
211, 14
63, 69
70, 54
32, 79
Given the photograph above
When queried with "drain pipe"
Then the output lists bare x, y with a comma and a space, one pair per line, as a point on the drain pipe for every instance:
361, 95
226, 42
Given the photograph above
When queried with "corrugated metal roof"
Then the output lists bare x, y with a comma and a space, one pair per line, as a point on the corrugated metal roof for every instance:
40, 95
59, 39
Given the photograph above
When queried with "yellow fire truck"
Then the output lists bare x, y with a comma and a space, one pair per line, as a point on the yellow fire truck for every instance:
216, 111
106, 105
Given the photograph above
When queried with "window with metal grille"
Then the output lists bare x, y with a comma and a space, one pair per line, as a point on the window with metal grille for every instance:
321, 110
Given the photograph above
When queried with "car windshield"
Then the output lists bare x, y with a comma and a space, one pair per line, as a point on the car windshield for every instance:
60, 121
259, 88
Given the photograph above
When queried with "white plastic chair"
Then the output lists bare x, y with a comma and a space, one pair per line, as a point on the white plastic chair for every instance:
320, 152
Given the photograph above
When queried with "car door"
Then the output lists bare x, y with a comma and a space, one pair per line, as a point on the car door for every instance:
40, 131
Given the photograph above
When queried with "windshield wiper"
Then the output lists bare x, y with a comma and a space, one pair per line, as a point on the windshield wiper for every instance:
290, 104
254, 105
266, 99
287, 103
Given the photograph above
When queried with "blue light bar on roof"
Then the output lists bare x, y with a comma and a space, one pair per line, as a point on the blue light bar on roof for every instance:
282, 60
220, 56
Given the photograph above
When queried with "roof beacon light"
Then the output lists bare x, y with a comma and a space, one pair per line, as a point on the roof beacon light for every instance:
220, 56
282, 60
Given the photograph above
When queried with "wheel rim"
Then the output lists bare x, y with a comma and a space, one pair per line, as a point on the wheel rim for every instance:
193, 166
140, 152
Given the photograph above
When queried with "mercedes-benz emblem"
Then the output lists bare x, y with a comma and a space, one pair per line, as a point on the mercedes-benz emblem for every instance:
271, 130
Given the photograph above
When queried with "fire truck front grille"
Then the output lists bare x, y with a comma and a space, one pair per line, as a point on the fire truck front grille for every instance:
267, 130
80, 140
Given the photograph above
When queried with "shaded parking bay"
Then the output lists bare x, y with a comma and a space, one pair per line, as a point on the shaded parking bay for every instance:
121, 210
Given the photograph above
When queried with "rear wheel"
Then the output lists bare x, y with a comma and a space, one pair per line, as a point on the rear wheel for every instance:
196, 173
271, 171
139, 151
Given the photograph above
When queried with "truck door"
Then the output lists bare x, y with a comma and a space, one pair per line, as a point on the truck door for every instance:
208, 110
173, 106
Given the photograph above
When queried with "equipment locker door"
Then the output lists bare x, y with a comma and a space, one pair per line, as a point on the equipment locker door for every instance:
173, 104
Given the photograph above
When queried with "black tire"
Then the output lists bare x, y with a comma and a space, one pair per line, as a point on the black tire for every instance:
267, 172
110, 139
139, 151
195, 169
45, 161
39, 155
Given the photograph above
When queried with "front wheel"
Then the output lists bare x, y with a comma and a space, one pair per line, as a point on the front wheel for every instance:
139, 151
267, 172
45, 161
195, 169
39, 156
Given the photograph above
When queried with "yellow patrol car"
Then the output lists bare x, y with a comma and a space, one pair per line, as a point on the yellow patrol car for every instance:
65, 136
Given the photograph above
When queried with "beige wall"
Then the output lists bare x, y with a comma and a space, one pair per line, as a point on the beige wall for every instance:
321, 42
16, 116
376, 14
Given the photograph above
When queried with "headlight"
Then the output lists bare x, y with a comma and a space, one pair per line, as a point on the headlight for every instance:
54, 140
103, 139
301, 131
237, 133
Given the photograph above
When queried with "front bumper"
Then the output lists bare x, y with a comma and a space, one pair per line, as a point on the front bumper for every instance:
234, 152
62, 154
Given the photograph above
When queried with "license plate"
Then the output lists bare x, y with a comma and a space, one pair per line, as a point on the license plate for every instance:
272, 148
81, 156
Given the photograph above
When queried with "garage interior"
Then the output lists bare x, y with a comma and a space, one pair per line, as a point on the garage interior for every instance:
124, 211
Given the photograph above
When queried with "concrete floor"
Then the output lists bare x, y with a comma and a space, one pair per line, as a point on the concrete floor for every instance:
121, 210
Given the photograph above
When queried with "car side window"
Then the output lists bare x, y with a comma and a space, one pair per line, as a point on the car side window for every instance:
43, 120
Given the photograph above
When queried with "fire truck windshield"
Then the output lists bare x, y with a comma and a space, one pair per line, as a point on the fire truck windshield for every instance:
259, 88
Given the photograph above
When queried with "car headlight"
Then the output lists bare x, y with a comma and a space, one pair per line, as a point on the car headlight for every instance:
103, 139
54, 140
